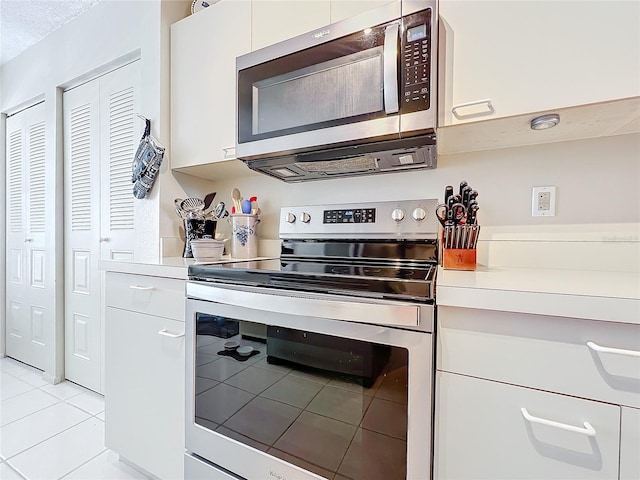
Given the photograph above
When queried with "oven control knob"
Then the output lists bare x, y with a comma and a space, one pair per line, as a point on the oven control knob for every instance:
397, 215
306, 218
419, 214
291, 217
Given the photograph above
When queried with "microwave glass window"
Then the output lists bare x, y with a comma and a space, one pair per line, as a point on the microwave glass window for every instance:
320, 93
331, 405
417, 33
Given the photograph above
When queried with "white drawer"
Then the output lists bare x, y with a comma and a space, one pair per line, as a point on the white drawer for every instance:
482, 432
163, 297
585, 358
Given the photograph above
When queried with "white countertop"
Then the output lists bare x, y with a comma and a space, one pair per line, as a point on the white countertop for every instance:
596, 295
169, 267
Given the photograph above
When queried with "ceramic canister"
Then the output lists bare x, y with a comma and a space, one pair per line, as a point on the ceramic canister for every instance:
244, 235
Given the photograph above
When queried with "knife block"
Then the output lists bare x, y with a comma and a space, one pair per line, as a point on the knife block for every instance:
459, 259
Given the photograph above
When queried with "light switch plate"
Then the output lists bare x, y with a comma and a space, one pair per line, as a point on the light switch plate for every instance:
543, 202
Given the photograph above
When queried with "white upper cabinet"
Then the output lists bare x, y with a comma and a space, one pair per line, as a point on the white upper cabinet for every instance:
341, 9
522, 56
204, 48
275, 21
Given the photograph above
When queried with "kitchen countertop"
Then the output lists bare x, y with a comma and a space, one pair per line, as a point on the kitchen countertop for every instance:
595, 295
169, 267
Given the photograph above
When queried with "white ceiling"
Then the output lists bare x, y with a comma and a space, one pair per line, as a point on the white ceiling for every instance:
25, 22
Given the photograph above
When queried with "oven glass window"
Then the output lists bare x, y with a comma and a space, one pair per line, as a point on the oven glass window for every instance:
334, 406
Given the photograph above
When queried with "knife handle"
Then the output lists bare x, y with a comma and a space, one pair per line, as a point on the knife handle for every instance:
448, 192
463, 184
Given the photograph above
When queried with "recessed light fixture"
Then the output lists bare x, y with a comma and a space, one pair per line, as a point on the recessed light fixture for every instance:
545, 121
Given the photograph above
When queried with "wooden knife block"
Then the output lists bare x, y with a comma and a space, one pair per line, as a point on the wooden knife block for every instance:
459, 259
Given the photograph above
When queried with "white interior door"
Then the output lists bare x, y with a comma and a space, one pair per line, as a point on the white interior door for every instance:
82, 235
120, 131
100, 136
30, 286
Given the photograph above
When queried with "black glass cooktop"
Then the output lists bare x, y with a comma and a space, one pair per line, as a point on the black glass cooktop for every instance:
414, 282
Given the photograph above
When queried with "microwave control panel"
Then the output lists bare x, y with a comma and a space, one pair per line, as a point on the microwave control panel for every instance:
416, 62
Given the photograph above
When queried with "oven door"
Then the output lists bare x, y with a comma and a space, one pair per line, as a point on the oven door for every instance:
326, 391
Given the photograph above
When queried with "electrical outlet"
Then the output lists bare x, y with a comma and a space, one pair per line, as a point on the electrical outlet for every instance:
543, 202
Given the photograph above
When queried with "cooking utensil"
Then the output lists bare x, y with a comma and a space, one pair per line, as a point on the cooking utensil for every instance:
456, 213
246, 206
441, 213
193, 207
208, 198
448, 192
254, 206
463, 184
181, 213
472, 214
220, 211
237, 199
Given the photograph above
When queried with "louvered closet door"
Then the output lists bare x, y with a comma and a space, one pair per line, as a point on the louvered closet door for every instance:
120, 131
101, 133
30, 287
83, 287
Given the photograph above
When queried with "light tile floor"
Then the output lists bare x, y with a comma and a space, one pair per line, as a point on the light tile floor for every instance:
52, 432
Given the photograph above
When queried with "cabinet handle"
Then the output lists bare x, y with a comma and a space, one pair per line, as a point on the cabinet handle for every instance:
28, 239
104, 239
229, 152
137, 287
459, 116
588, 429
617, 351
165, 333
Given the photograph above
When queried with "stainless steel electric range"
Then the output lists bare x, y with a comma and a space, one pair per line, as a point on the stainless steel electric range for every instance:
318, 364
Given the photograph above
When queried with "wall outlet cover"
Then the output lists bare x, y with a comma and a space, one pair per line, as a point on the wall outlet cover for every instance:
543, 201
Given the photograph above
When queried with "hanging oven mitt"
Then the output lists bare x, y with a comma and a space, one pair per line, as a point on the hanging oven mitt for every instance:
146, 163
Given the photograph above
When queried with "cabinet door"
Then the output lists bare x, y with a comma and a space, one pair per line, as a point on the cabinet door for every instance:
630, 444
30, 286
341, 9
527, 56
276, 20
204, 48
144, 391
482, 432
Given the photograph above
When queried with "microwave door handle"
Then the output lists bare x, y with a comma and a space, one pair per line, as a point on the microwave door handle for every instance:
390, 73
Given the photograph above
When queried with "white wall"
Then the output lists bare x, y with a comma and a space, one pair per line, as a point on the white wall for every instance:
597, 180
106, 36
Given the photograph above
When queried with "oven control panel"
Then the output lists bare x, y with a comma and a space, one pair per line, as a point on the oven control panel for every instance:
354, 215
402, 219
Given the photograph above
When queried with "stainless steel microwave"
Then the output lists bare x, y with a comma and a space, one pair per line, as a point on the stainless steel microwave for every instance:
353, 98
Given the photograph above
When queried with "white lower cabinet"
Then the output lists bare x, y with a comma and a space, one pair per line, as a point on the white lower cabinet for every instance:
536, 397
144, 384
630, 444
492, 430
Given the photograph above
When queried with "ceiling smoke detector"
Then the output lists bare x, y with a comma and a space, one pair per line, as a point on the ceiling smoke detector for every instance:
545, 121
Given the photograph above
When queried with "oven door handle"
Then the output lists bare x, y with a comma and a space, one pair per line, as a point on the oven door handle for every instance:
309, 304
390, 72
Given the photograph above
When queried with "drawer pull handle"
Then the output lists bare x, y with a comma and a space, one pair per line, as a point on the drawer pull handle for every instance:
138, 287
617, 351
588, 429
165, 333
462, 116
